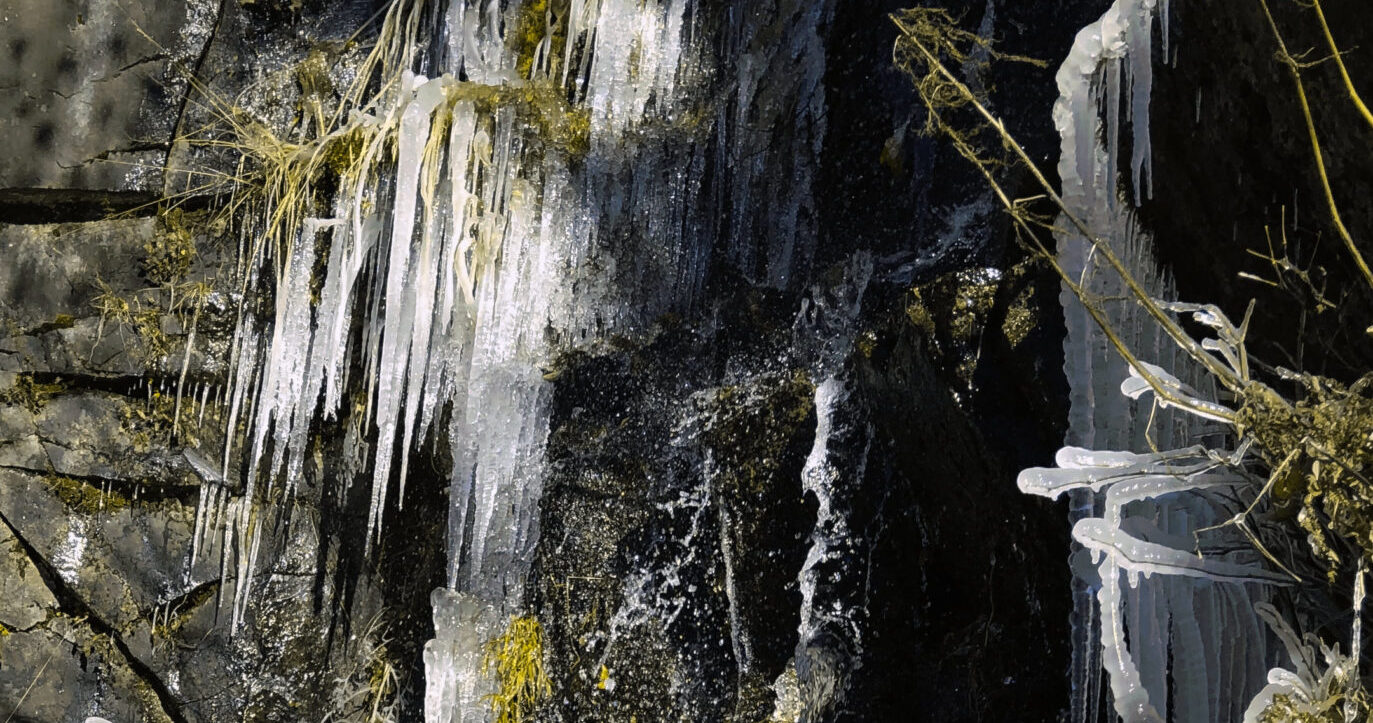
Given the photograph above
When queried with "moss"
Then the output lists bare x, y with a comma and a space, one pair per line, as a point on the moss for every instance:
1020, 321
958, 310
152, 424
1284, 709
316, 87
155, 343
29, 393
112, 306
750, 430
537, 19
83, 497
60, 321
341, 153
1318, 450
556, 123
516, 658
173, 618
381, 685
866, 343
168, 254
918, 311
961, 302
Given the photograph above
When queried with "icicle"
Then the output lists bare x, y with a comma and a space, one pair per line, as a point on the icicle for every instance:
1140, 41
210, 482
1351, 706
242, 371
1136, 385
463, 258
204, 402
398, 325
1131, 699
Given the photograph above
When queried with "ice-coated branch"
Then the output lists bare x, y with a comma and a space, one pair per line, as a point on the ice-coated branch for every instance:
1146, 558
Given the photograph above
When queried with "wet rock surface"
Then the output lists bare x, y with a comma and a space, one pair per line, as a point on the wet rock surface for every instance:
676, 520
96, 89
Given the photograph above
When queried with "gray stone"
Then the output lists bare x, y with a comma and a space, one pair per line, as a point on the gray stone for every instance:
24, 600
93, 89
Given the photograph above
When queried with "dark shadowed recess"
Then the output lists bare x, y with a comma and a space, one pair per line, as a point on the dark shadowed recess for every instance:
1233, 162
968, 585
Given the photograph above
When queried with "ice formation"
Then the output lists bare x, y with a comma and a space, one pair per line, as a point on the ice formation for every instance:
477, 232
1195, 652
830, 635
1312, 685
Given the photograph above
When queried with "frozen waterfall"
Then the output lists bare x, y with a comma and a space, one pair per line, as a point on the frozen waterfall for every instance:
473, 239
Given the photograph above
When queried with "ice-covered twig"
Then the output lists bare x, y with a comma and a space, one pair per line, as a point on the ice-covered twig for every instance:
1145, 377
1137, 556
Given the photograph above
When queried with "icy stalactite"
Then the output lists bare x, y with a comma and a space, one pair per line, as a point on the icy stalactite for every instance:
1174, 628
462, 624
1107, 77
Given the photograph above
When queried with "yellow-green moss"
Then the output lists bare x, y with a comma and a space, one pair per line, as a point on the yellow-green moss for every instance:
60, 321
959, 308
316, 87
84, 498
1284, 709
29, 394
342, 152
532, 25
1319, 450
543, 107
918, 312
168, 254
866, 343
1019, 322
151, 424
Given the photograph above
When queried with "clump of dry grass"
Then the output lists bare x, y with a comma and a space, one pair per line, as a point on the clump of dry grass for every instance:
515, 657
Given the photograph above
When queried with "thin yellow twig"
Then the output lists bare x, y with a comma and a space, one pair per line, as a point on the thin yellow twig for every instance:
1290, 62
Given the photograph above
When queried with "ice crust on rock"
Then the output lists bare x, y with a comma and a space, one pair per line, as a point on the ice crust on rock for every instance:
462, 624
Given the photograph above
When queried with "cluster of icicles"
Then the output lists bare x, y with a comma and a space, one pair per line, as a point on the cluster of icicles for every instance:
1197, 649
464, 245
451, 243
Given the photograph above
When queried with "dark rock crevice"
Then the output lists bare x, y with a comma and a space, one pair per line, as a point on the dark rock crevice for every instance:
70, 205
124, 490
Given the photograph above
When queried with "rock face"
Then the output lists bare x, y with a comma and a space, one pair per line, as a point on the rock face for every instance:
791, 500
93, 91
